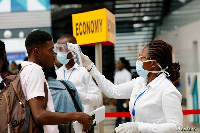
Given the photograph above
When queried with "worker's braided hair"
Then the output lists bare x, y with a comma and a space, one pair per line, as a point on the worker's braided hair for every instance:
162, 53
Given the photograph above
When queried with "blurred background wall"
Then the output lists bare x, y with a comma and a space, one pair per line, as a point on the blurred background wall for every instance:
17, 19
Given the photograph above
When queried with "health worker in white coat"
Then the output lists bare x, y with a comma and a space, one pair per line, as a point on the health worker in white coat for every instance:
155, 103
88, 91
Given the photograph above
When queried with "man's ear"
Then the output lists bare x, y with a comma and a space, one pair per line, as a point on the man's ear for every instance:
154, 63
36, 52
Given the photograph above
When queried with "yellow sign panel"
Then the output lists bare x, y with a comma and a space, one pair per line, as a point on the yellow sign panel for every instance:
94, 27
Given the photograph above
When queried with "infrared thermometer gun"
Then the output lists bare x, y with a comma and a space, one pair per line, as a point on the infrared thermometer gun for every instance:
75, 48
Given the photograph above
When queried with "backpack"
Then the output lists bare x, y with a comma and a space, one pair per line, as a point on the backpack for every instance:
14, 108
70, 87
68, 128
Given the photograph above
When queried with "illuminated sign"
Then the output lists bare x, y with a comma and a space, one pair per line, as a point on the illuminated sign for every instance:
94, 27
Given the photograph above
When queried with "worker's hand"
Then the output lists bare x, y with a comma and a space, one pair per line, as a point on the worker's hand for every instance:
73, 56
128, 127
85, 120
87, 63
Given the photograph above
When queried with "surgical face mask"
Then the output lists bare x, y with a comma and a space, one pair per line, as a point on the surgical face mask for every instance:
62, 58
140, 71
143, 73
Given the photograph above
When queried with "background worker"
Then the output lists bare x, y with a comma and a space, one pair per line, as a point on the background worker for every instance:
123, 75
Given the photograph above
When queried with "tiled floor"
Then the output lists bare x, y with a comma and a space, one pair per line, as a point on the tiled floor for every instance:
109, 123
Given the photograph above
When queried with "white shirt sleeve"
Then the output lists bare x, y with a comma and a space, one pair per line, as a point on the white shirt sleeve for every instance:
35, 83
122, 91
172, 109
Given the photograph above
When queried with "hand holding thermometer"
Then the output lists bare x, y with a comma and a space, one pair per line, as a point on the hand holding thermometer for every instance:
75, 48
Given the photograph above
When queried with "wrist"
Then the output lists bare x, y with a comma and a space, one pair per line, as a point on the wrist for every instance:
90, 68
77, 116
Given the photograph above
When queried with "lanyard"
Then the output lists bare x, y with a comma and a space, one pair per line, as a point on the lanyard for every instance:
133, 111
69, 74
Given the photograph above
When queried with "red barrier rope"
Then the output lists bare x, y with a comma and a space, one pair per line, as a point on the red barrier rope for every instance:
127, 114
190, 112
117, 114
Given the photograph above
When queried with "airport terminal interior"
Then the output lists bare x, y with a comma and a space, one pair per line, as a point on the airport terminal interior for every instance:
137, 23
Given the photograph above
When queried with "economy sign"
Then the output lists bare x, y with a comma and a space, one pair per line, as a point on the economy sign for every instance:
94, 27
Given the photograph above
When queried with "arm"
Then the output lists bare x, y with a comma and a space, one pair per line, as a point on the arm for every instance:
33, 87
122, 91
43, 117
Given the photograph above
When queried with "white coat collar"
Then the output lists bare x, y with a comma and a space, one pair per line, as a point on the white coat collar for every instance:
75, 66
154, 83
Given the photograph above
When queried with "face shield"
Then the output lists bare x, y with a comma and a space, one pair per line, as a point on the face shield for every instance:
62, 48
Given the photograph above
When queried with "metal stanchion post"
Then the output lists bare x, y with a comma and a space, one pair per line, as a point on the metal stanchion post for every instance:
98, 64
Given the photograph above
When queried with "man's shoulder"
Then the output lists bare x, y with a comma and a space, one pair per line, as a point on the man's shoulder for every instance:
28, 67
30, 64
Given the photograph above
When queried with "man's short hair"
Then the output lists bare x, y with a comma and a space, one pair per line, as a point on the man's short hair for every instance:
36, 39
2, 49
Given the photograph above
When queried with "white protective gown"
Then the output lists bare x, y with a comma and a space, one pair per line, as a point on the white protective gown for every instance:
158, 110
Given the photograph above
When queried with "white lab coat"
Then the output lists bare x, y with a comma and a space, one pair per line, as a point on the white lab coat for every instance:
88, 91
157, 110
122, 76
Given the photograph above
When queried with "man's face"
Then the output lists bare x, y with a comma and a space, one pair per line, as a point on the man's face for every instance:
46, 55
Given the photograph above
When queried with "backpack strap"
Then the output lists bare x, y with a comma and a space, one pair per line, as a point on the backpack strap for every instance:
26, 122
46, 93
78, 109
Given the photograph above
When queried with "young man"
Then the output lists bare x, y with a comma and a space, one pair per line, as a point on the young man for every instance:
88, 91
39, 46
